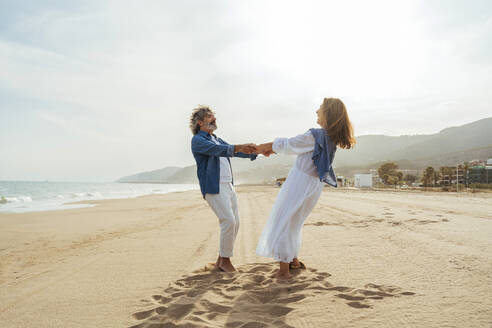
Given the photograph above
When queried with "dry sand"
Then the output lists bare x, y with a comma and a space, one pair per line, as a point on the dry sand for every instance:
375, 259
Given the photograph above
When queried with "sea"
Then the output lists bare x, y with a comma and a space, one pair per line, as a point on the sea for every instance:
28, 196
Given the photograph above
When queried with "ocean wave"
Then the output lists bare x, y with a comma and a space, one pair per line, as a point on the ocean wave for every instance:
18, 199
24, 197
76, 194
83, 194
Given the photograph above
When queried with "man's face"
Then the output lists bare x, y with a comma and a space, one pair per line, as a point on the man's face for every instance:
209, 122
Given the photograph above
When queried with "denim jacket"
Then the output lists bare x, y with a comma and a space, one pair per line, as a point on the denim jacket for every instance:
207, 153
323, 155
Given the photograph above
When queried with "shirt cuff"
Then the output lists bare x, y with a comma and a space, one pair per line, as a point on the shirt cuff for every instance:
277, 145
230, 150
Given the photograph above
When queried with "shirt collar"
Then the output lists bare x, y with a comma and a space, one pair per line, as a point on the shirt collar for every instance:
206, 134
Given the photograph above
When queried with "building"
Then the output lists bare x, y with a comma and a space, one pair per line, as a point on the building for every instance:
480, 174
476, 162
375, 177
363, 180
449, 174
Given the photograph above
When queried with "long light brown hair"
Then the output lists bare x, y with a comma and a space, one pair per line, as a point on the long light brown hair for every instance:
335, 121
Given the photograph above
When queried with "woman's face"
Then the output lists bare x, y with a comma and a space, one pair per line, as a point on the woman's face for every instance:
320, 116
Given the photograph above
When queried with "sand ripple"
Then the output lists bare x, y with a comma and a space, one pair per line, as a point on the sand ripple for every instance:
249, 298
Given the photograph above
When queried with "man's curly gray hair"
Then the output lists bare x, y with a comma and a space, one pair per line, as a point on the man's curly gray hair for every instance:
198, 114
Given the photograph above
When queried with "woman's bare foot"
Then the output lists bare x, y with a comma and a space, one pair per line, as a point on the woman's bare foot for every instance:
295, 262
283, 272
226, 265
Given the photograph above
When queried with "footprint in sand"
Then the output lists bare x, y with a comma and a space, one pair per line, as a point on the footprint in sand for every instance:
395, 223
249, 298
320, 223
426, 221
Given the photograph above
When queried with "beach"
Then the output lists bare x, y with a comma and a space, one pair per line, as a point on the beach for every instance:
374, 259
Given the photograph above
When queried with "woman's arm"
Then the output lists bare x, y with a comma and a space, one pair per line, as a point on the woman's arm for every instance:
300, 144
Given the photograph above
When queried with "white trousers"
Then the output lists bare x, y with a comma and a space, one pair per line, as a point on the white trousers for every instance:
224, 205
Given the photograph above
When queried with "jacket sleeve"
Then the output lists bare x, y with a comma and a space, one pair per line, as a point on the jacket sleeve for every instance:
243, 155
240, 154
210, 148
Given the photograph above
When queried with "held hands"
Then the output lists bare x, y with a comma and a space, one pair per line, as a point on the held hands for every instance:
250, 148
265, 149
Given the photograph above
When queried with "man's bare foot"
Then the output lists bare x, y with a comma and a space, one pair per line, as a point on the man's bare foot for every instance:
283, 276
226, 265
217, 263
283, 272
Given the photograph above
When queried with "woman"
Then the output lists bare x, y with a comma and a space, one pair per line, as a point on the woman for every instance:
281, 237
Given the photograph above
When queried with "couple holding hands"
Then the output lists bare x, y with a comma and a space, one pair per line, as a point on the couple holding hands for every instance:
315, 150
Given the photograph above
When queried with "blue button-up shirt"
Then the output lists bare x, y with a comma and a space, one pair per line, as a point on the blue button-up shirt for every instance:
207, 153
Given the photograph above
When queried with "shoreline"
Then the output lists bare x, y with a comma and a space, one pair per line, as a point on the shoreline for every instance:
96, 202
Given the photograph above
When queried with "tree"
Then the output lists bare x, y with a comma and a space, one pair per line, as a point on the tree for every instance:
388, 170
436, 177
428, 176
393, 180
410, 178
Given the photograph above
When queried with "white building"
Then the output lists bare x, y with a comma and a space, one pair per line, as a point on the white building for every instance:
362, 180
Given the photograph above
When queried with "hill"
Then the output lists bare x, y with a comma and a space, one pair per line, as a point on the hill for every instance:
448, 147
156, 176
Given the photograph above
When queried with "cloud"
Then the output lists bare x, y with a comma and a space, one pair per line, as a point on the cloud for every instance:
128, 74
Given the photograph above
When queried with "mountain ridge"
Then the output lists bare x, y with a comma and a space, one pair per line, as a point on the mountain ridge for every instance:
449, 146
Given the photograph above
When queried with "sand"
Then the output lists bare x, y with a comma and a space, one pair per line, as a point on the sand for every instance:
374, 258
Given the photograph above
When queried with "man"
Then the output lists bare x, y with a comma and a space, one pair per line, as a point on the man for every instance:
215, 176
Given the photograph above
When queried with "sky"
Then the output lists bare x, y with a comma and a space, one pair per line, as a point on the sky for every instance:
97, 90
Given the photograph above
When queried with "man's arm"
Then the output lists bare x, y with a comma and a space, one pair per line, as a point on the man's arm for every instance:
247, 149
208, 147
244, 155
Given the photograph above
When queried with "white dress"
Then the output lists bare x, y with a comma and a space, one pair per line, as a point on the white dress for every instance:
281, 237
